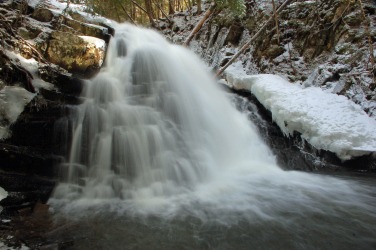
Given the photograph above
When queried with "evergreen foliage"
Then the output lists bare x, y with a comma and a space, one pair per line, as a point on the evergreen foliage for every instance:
236, 8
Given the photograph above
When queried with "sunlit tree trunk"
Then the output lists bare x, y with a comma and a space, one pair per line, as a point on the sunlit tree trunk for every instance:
171, 7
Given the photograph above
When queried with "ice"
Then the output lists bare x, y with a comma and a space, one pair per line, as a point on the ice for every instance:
12, 102
326, 120
3, 194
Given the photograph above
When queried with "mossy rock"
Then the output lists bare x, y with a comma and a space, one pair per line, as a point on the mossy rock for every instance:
77, 16
43, 15
73, 53
83, 28
273, 51
24, 33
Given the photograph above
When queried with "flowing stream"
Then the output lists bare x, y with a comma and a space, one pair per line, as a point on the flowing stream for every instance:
161, 159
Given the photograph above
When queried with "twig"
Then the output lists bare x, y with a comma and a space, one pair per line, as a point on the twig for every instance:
276, 20
200, 23
126, 12
163, 12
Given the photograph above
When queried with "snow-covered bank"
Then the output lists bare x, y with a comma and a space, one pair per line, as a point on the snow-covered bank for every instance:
326, 121
3, 193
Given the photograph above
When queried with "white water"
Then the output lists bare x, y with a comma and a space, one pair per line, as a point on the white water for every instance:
157, 136
154, 124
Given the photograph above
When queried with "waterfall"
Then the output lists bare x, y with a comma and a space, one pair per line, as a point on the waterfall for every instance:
157, 136
161, 157
154, 124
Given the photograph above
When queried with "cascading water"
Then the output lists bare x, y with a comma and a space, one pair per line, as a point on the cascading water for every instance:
154, 124
156, 136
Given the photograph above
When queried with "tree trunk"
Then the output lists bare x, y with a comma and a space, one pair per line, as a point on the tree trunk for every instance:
200, 23
162, 11
368, 33
250, 41
149, 12
171, 7
199, 7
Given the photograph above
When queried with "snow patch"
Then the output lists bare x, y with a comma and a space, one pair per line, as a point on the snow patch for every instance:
97, 42
12, 102
3, 194
4, 246
31, 65
327, 121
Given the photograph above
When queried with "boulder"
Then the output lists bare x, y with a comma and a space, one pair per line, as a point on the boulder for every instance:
273, 51
77, 54
43, 15
82, 28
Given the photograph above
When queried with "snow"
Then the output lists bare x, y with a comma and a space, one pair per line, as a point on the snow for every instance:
57, 7
3, 193
4, 246
13, 99
97, 42
325, 120
31, 65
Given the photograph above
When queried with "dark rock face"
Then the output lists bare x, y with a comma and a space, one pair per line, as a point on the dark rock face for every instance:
38, 136
293, 153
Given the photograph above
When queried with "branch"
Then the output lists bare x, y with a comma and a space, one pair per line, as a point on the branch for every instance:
250, 41
139, 6
276, 20
125, 11
199, 25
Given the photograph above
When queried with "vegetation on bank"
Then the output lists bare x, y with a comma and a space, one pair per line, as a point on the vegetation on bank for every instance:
146, 12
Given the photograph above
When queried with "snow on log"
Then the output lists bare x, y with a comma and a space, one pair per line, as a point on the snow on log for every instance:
327, 121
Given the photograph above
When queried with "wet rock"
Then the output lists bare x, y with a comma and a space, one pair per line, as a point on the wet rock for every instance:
234, 33
65, 82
